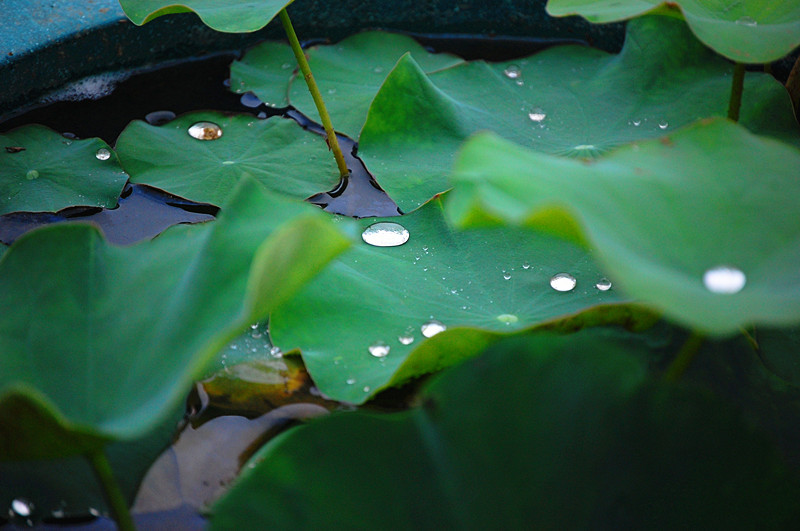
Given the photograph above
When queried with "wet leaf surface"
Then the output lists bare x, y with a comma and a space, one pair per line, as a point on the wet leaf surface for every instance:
478, 284
752, 31
568, 100
691, 223
599, 444
232, 16
99, 341
275, 152
54, 172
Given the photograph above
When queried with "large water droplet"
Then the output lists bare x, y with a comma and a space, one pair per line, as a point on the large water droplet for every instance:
563, 282
205, 131
747, 21
432, 327
159, 117
379, 349
603, 284
22, 507
537, 115
385, 234
724, 280
31, 175
507, 318
512, 72
103, 154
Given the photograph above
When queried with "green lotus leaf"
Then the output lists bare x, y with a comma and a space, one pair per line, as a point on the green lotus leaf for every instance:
42, 171
568, 100
276, 152
231, 16
479, 284
100, 341
348, 73
544, 432
700, 224
747, 31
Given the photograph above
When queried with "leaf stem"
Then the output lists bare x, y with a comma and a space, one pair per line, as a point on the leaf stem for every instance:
685, 356
333, 143
114, 497
736, 92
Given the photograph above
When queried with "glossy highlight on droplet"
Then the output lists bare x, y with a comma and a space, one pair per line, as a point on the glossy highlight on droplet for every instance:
385, 234
603, 284
563, 282
22, 507
205, 131
512, 72
724, 280
102, 154
663, 124
432, 327
379, 349
537, 115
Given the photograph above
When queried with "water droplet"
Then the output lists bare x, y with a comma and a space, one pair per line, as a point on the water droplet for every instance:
526, 265
103, 154
636, 123
537, 115
366, 389
603, 284
724, 279
350, 381
31, 175
378, 69
512, 72
507, 276
276, 352
663, 124
379, 349
508, 318
250, 100
332, 91
385, 234
228, 162
585, 147
563, 282
22, 507
406, 339
747, 21
159, 117
286, 66
432, 327
205, 131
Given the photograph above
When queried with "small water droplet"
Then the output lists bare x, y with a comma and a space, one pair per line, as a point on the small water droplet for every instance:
663, 124
350, 381
636, 123
276, 352
332, 91
205, 131
507, 276
747, 21
724, 280
31, 175
94, 512
22, 507
250, 100
228, 162
512, 72
286, 66
378, 69
159, 117
585, 147
603, 284
385, 234
526, 265
379, 349
366, 389
537, 115
406, 339
432, 327
563, 282
507, 318
102, 154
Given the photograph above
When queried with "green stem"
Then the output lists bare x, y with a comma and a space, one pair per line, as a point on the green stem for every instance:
736, 92
684, 358
333, 143
114, 497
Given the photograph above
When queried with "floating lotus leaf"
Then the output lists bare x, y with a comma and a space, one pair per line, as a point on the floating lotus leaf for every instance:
42, 171
232, 16
701, 223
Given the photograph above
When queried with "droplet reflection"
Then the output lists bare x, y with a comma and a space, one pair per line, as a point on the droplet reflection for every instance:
205, 131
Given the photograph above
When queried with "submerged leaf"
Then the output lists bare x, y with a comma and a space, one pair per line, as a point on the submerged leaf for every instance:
545, 432
749, 31
567, 100
54, 172
232, 16
276, 152
104, 340
701, 224
370, 319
